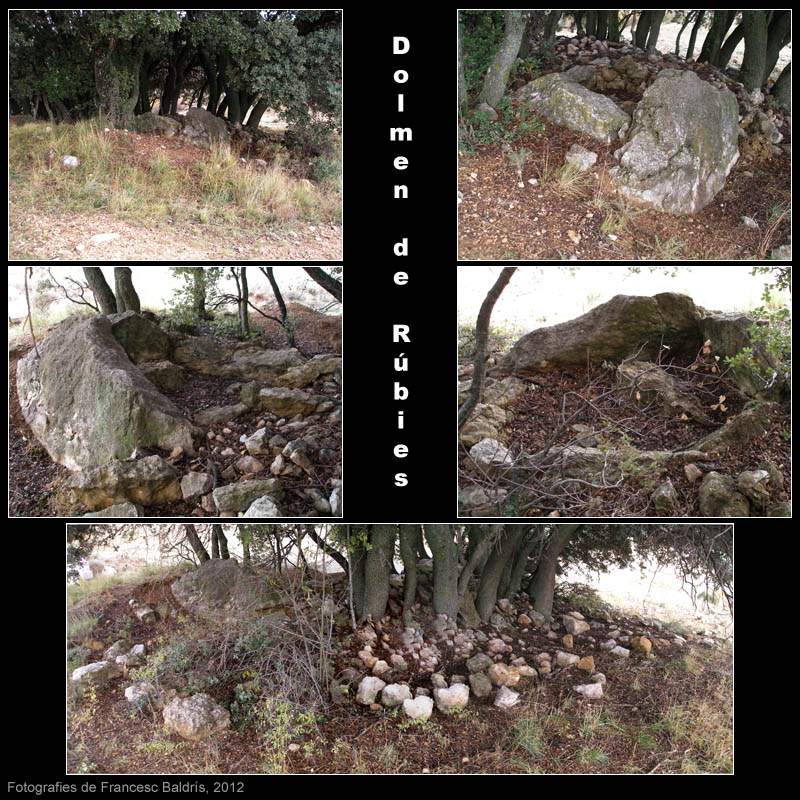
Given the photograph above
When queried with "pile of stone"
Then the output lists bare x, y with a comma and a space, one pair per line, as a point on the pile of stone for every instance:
132, 364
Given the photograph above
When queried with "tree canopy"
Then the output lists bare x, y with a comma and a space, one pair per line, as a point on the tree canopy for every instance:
235, 64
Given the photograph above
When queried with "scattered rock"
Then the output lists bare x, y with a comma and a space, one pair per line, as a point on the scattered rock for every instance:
580, 158
419, 709
395, 694
196, 717
195, 484
451, 699
506, 698
480, 684
97, 674
591, 691
368, 689
719, 497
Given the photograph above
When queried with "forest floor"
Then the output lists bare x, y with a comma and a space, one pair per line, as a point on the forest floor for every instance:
564, 216
144, 197
671, 713
556, 401
34, 489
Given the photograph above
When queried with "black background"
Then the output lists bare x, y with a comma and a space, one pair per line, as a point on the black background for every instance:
34, 629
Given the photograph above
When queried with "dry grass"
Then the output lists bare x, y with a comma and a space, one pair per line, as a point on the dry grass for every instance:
215, 187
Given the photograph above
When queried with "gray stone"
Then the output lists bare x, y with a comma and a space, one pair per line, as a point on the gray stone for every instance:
368, 690
394, 694
486, 109
149, 481
118, 510
219, 414
480, 662
96, 674
264, 507
682, 144
195, 718
452, 699
591, 691
575, 626
287, 402
480, 684
719, 497
506, 698
665, 499
196, 484
237, 497
611, 331
80, 361
580, 158
418, 709
568, 103
490, 456
140, 693
164, 375
204, 129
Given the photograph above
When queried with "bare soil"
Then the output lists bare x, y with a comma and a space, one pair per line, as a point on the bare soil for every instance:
47, 236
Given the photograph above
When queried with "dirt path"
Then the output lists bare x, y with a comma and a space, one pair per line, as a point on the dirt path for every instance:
61, 237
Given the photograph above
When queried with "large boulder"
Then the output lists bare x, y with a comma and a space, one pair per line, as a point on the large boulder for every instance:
571, 104
196, 717
220, 590
140, 337
682, 144
88, 404
729, 334
149, 481
202, 128
623, 326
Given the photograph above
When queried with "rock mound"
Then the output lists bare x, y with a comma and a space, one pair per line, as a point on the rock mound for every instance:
204, 129
86, 401
220, 589
682, 145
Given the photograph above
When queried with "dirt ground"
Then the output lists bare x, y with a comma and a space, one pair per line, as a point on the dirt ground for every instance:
498, 220
38, 236
647, 721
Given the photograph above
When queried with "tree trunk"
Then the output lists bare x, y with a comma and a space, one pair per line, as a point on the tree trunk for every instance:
782, 90
613, 26
332, 552
276, 291
720, 25
656, 18
543, 585
729, 45
214, 543
780, 32
492, 573
693, 35
254, 120
101, 290
408, 545
358, 581
481, 344
377, 568
127, 299
199, 289
234, 108
521, 562
494, 84
591, 22
222, 541
642, 29
754, 62
326, 281
445, 569
686, 21
551, 21
462, 78
196, 544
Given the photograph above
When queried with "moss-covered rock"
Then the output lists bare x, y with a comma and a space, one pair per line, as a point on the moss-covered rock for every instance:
88, 404
149, 481
624, 326
571, 104
141, 339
